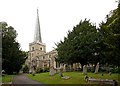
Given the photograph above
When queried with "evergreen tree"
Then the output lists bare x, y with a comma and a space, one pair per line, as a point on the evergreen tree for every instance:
12, 56
82, 45
111, 37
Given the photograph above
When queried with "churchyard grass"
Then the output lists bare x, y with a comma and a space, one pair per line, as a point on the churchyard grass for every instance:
7, 78
75, 77
0, 79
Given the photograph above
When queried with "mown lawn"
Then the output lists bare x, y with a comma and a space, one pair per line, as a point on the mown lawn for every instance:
7, 78
0, 79
75, 78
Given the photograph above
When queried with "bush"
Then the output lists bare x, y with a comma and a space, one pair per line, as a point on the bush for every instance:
39, 70
91, 69
46, 69
25, 69
116, 70
109, 69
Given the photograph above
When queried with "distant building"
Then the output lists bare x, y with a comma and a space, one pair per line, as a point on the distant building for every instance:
37, 55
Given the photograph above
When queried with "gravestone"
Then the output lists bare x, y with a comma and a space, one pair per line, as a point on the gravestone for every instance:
85, 69
65, 77
52, 70
61, 70
67, 68
110, 73
64, 68
33, 73
97, 68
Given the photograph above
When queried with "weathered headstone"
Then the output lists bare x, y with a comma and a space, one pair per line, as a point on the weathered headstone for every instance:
61, 71
110, 73
33, 73
65, 68
52, 70
85, 69
65, 77
97, 68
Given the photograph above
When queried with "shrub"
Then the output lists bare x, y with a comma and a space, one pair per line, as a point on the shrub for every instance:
39, 70
25, 69
46, 69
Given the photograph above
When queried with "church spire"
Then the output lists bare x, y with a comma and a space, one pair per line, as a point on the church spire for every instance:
37, 34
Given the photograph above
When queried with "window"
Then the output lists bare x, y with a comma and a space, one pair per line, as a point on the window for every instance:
32, 54
41, 48
32, 48
43, 57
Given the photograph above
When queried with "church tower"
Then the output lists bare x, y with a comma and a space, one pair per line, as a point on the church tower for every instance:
36, 48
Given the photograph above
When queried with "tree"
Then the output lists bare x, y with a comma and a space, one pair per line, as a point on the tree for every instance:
89, 45
82, 45
111, 37
12, 56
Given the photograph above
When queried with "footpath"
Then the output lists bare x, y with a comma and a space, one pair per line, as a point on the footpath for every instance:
23, 80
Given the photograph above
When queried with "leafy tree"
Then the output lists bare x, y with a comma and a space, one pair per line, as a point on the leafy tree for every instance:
82, 44
88, 45
12, 56
111, 37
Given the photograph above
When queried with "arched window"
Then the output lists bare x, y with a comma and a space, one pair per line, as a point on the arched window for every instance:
43, 57
32, 54
32, 48
41, 48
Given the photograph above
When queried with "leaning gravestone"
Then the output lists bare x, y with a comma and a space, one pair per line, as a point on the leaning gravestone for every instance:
85, 69
97, 68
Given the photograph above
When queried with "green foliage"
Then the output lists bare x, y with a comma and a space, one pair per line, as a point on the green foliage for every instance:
12, 56
46, 69
116, 70
25, 69
87, 44
39, 70
111, 37
7, 78
82, 45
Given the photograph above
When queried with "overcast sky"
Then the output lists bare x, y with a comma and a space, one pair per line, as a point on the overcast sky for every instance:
56, 17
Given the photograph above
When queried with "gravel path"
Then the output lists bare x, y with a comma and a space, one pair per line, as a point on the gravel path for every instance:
23, 80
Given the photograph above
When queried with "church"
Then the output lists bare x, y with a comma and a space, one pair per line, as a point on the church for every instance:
37, 55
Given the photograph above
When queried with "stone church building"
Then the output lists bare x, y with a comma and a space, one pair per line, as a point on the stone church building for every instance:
37, 55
